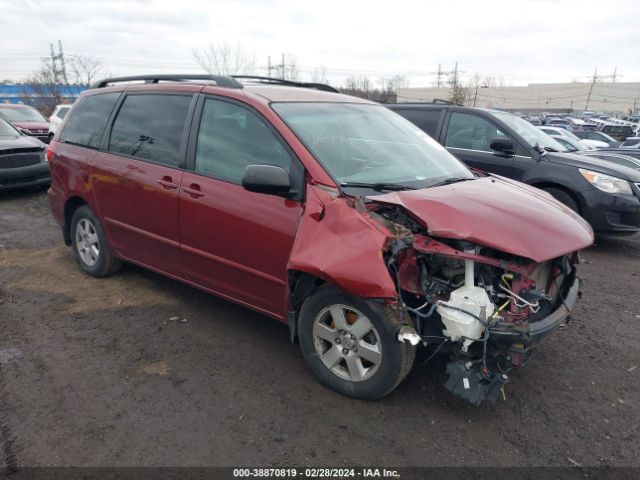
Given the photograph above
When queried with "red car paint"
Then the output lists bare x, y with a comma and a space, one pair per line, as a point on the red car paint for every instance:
32, 126
241, 245
498, 213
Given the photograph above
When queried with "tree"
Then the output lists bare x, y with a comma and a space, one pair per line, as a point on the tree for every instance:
84, 69
290, 70
223, 59
358, 87
319, 74
44, 91
389, 87
459, 94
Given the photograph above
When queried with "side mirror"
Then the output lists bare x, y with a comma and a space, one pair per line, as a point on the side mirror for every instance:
266, 179
503, 145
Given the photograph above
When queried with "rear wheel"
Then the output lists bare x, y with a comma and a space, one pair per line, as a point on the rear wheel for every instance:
563, 197
350, 344
90, 244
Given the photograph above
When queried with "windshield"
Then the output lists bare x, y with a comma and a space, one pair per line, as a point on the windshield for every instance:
569, 144
571, 135
26, 114
529, 133
6, 130
361, 143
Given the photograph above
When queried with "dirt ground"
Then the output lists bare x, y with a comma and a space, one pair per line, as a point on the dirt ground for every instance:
95, 373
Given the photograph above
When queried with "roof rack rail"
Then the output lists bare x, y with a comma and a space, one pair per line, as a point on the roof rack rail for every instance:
289, 83
445, 102
220, 80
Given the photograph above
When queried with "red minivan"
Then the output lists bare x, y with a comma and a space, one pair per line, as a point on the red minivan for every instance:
327, 212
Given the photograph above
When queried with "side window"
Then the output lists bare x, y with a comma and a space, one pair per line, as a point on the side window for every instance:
425, 120
471, 132
62, 112
150, 127
231, 137
88, 120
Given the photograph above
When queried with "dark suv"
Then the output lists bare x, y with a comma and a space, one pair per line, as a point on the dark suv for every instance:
329, 213
605, 194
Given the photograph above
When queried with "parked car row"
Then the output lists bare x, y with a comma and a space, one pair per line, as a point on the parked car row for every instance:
618, 128
571, 141
605, 193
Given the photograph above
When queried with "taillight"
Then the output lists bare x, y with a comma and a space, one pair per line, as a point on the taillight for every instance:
51, 151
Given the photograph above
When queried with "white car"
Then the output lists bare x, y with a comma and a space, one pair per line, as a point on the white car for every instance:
563, 132
631, 142
56, 118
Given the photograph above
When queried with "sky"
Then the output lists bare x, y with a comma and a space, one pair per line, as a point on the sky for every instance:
517, 41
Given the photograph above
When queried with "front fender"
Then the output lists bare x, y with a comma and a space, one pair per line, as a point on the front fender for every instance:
342, 245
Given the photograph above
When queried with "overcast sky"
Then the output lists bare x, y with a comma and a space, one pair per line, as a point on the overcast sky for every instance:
520, 41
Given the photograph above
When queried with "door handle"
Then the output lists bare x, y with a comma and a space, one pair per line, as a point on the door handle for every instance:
193, 190
167, 183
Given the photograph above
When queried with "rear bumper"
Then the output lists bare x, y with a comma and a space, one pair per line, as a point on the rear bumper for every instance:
612, 213
30, 176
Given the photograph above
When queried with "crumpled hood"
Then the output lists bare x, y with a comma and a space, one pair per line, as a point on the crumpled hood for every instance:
499, 213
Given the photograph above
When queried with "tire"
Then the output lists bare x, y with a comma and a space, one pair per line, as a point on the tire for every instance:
90, 244
387, 360
563, 197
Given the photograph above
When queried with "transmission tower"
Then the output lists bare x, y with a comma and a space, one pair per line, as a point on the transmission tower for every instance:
58, 66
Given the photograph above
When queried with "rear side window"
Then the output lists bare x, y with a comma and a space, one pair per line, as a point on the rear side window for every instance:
425, 120
150, 127
231, 137
87, 122
62, 112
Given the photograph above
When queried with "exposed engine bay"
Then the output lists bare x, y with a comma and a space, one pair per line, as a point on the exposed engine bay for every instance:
486, 307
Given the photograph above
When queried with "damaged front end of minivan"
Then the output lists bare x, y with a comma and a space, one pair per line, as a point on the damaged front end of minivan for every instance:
470, 275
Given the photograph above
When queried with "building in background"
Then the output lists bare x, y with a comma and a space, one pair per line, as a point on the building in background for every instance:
21, 93
605, 97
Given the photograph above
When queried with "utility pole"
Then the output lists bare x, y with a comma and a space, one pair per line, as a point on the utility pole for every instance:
57, 65
54, 67
595, 78
61, 55
475, 96
269, 66
282, 77
613, 77
439, 75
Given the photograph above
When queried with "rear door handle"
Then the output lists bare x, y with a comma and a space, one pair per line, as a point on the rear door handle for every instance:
167, 183
193, 190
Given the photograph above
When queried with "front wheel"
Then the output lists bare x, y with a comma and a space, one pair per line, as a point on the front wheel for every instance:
564, 198
350, 344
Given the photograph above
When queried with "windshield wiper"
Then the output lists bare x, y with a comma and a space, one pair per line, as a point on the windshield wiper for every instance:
449, 181
379, 186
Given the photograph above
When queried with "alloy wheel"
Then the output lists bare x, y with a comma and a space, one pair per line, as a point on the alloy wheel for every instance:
347, 343
87, 242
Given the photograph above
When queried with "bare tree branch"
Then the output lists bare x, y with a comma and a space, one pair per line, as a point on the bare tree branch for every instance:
84, 69
319, 74
223, 59
44, 94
